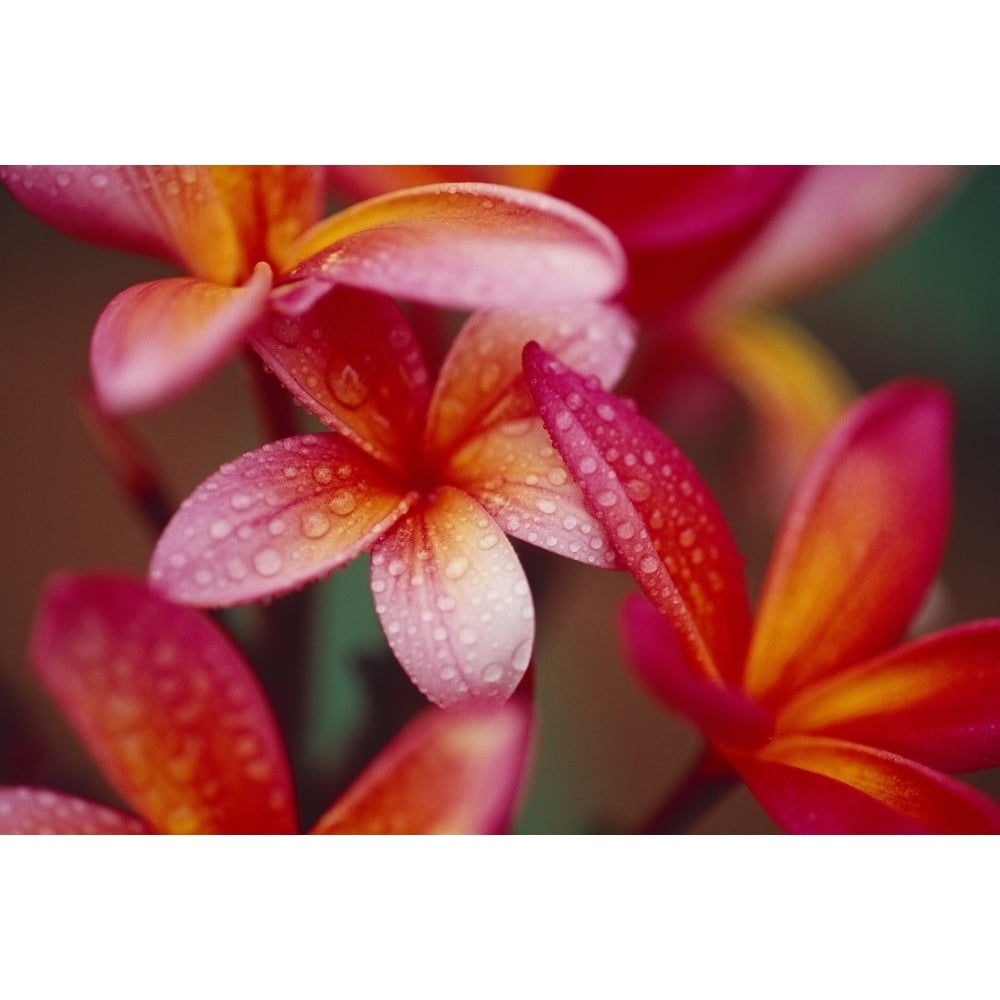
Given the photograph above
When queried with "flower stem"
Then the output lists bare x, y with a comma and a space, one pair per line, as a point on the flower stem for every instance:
709, 777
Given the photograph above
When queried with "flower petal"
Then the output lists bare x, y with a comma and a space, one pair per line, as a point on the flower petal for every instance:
467, 246
860, 541
811, 784
516, 474
165, 704
835, 217
453, 601
794, 387
37, 810
481, 382
171, 212
276, 518
936, 700
354, 363
725, 715
658, 514
446, 772
155, 340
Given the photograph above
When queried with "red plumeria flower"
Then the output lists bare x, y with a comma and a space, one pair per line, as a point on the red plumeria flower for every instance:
234, 229
429, 482
174, 717
833, 727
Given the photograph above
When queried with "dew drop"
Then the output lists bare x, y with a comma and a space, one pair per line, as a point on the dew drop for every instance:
397, 567
237, 569
488, 541
638, 490
267, 562
446, 603
378, 586
348, 387
277, 526
649, 564
626, 530
606, 412
564, 420
557, 475
588, 465
492, 673
342, 503
323, 474
574, 401
240, 501
203, 577
546, 506
456, 568
686, 537
608, 498
99, 180
315, 524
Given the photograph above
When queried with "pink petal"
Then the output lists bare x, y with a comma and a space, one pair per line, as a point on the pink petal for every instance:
36, 810
837, 216
481, 382
354, 363
516, 474
467, 246
658, 514
810, 784
860, 542
274, 519
725, 715
453, 601
166, 705
936, 700
154, 341
171, 212
446, 772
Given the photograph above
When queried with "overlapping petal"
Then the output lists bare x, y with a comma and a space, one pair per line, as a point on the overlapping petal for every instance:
166, 706
39, 811
453, 601
290, 512
155, 340
812, 784
354, 363
481, 382
657, 512
936, 700
455, 772
860, 543
467, 246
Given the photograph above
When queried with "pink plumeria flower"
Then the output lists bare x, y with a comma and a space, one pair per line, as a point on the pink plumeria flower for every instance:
833, 726
252, 242
179, 727
428, 481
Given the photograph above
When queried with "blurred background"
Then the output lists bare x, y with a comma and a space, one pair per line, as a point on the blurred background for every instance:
606, 754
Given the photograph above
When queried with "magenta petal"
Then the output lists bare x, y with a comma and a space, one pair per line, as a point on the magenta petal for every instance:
37, 810
466, 246
725, 715
154, 341
454, 602
166, 704
274, 519
655, 509
354, 363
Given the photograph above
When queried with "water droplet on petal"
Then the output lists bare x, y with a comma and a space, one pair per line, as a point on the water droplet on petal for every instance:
323, 474
99, 180
546, 506
348, 387
240, 501
492, 673
608, 498
564, 420
488, 541
456, 568
638, 490
686, 537
649, 564
315, 524
397, 567
267, 562
605, 412
588, 465
342, 502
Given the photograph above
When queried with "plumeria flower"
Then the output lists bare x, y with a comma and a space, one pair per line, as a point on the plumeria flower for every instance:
833, 726
428, 481
252, 243
179, 727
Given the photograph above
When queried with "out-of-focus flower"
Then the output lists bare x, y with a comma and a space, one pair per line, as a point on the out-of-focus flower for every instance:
253, 243
832, 726
175, 719
429, 482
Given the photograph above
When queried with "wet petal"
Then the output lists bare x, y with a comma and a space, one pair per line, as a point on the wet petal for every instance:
516, 474
657, 512
166, 705
354, 363
860, 542
810, 784
155, 340
936, 700
725, 715
37, 810
454, 602
794, 387
467, 246
481, 382
446, 772
837, 216
170, 212
274, 519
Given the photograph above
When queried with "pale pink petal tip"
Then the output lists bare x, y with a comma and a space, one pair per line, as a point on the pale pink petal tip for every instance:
39, 811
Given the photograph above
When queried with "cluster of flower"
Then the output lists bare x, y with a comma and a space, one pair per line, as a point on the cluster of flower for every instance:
438, 445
